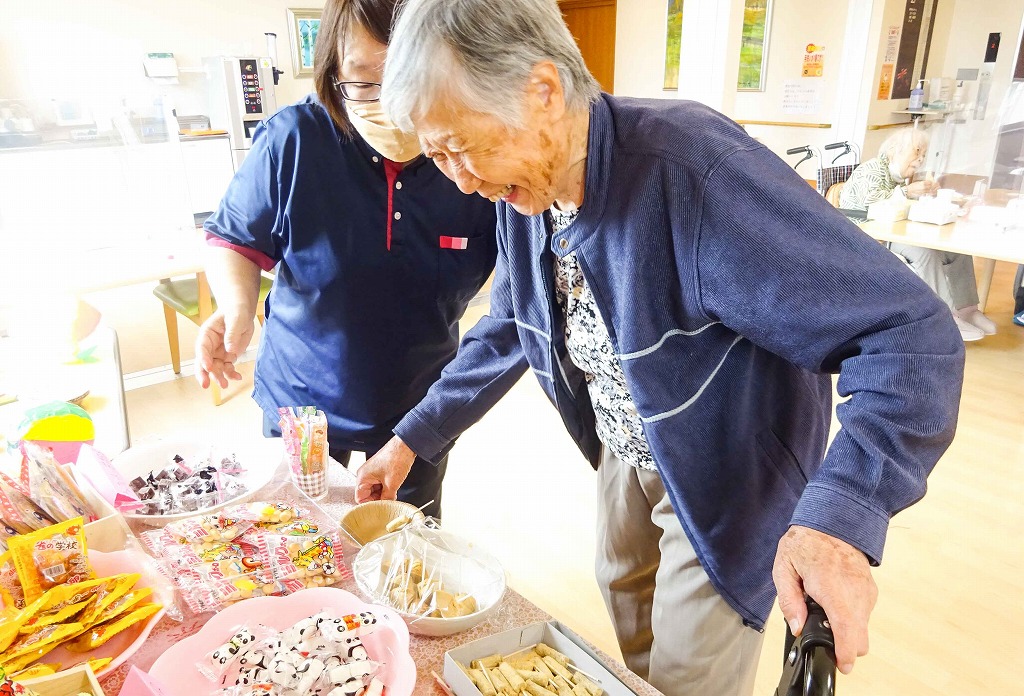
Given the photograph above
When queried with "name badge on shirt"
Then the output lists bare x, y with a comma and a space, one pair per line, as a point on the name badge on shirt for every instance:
454, 242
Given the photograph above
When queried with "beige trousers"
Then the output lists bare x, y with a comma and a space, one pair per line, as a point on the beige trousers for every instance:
673, 628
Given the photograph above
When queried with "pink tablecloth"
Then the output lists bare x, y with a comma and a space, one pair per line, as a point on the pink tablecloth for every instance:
428, 653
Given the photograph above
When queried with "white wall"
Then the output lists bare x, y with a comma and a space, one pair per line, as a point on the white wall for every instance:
796, 23
974, 141
93, 49
709, 54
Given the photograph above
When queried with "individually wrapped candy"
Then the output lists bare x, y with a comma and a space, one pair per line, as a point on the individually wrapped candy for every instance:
294, 557
186, 556
214, 529
100, 634
181, 487
265, 513
52, 556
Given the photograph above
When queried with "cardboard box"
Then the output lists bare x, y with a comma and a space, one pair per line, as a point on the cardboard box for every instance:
70, 682
553, 633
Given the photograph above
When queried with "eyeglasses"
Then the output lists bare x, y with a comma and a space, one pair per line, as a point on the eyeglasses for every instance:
358, 91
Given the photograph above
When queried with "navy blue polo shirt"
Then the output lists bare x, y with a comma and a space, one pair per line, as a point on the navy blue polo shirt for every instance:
375, 266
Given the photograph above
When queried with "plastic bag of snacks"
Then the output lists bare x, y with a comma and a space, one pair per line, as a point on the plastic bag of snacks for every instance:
425, 572
51, 556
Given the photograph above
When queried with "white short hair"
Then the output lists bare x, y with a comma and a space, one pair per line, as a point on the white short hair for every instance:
481, 52
903, 141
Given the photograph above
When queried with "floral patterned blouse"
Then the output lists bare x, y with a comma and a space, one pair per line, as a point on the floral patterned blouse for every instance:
590, 348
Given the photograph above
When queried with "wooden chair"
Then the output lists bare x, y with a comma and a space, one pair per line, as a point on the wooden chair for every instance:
183, 297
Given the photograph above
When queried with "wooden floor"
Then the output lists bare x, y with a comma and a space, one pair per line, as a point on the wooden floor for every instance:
950, 617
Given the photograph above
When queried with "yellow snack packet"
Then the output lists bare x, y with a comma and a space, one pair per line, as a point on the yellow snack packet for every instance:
99, 663
9, 631
15, 665
56, 602
98, 635
123, 603
115, 587
57, 616
35, 671
55, 555
46, 636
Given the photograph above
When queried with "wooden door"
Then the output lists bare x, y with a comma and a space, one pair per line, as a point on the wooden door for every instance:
592, 23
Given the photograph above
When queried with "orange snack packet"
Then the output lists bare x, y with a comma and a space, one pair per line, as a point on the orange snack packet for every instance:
55, 555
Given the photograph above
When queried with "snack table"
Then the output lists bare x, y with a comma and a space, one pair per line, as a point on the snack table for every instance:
962, 237
428, 653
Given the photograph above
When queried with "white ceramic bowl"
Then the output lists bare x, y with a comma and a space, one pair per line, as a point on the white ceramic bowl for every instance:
461, 568
260, 457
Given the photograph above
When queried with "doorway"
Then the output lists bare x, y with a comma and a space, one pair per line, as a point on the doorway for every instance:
592, 23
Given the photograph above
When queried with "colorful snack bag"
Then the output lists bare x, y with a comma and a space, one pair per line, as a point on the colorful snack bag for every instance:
293, 528
190, 555
211, 529
292, 557
19, 511
48, 489
265, 513
10, 586
49, 557
45, 637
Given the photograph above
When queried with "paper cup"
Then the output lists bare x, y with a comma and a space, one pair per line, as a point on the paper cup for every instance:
314, 484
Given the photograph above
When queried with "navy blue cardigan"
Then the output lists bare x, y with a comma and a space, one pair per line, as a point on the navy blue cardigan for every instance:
731, 290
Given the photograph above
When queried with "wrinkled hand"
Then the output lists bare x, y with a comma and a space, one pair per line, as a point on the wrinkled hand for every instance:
380, 477
222, 338
838, 577
928, 187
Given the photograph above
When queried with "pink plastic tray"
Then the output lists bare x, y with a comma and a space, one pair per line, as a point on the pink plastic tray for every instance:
177, 668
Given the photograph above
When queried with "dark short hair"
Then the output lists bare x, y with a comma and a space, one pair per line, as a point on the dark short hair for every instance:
375, 16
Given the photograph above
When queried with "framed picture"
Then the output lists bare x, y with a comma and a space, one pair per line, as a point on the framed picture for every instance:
303, 26
673, 42
757, 21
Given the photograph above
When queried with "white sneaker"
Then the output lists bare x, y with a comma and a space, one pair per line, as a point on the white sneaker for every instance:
968, 332
977, 318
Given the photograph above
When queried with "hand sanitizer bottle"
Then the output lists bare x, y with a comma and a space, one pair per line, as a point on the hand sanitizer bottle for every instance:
917, 97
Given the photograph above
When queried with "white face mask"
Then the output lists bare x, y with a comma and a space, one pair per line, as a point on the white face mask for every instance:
370, 121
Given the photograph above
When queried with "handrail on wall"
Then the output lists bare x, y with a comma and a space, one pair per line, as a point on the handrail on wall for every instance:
883, 126
784, 124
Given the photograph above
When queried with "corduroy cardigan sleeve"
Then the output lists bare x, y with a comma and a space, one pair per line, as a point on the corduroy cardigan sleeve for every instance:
781, 267
489, 363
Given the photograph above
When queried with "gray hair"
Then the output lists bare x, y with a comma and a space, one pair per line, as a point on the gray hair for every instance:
903, 141
482, 52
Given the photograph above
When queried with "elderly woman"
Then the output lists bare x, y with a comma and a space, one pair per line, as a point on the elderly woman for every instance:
682, 297
377, 255
950, 275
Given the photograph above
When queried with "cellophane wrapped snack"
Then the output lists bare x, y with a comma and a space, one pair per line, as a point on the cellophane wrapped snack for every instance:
248, 550
322, 654
425, 572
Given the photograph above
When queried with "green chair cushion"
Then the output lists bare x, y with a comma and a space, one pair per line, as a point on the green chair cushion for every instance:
183, 295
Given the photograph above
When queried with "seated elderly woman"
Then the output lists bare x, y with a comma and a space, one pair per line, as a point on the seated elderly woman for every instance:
950, 275
682, 297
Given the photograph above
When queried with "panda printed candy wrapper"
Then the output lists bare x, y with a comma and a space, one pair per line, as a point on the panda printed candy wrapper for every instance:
320, 655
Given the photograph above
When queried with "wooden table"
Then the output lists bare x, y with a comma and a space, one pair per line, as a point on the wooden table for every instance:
987, 242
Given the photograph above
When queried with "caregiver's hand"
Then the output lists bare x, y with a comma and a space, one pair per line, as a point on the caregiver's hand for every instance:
381, 476
838, 577
222, 338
